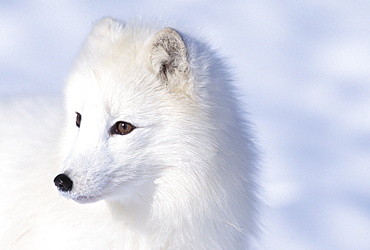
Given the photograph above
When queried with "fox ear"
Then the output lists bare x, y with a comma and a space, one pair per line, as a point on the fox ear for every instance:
107, 27
169, 57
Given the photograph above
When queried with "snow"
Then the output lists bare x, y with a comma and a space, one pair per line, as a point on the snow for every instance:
303, 68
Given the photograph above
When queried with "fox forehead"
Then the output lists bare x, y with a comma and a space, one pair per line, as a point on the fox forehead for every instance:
118, 71
116, 47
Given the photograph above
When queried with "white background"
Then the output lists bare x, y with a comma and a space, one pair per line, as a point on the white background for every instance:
303, 68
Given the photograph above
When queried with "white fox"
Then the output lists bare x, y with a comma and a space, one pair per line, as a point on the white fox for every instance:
153, 151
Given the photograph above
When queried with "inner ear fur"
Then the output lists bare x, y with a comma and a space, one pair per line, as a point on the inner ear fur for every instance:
168, 56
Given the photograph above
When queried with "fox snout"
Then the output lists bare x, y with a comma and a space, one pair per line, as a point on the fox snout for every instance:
63, 183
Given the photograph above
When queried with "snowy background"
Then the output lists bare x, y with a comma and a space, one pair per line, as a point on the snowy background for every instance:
303, 68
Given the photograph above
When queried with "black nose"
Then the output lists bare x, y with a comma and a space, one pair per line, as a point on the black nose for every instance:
63, 182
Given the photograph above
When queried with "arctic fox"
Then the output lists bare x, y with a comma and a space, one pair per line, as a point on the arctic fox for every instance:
153, 151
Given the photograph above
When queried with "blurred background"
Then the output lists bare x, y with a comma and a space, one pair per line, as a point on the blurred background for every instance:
302, 68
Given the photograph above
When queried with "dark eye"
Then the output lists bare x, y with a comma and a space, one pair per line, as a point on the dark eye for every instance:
78, 119
122, 128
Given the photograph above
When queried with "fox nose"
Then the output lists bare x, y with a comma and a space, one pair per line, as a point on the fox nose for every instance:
63, 183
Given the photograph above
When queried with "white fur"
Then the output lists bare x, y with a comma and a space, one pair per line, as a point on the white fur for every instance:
183, 179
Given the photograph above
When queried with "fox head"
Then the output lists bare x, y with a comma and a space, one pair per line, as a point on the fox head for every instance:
128, 100
151, 116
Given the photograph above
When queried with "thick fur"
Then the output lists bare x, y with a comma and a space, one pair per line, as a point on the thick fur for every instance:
184, 178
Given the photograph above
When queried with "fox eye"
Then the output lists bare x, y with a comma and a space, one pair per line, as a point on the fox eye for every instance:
122, 128
78, 119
